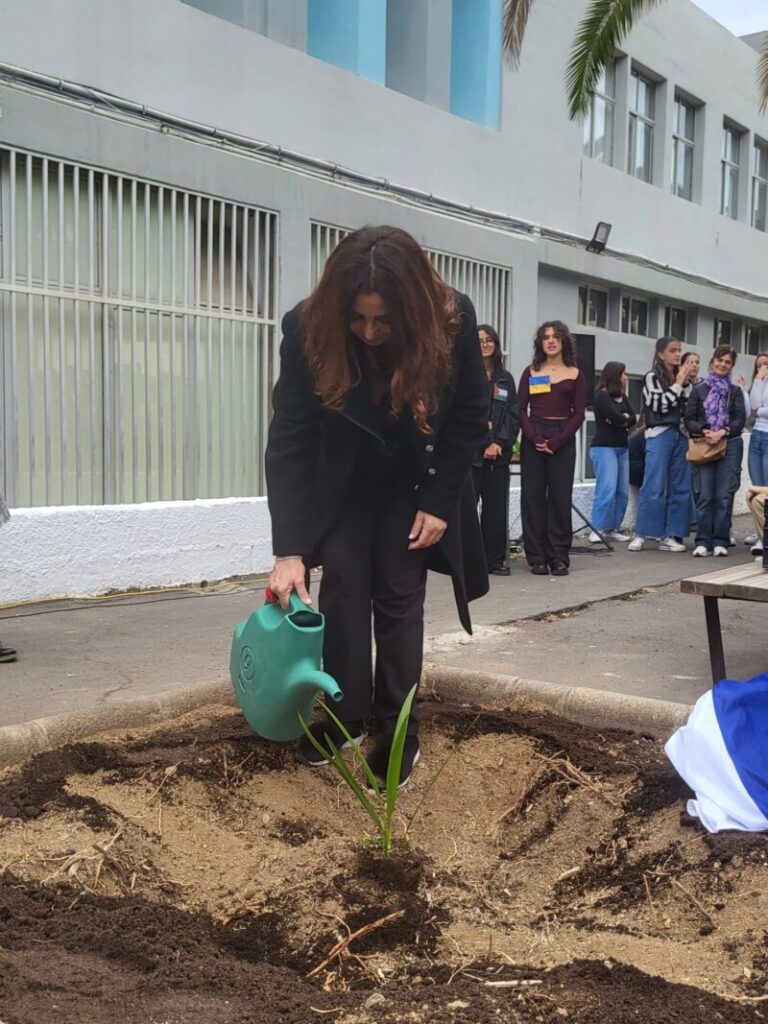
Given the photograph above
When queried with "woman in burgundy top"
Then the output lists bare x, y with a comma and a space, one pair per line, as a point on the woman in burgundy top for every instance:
553, 399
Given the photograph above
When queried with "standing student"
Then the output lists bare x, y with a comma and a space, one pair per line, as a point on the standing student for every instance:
692, 362
614, 417
756, 498
491, 466
757, 455
552, 401
715, 413
664, 504
380, 406
6, 653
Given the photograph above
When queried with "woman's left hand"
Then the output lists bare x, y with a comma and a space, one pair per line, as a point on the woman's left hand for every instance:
426, 531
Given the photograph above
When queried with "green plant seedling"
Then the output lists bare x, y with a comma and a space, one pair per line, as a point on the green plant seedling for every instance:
380, 807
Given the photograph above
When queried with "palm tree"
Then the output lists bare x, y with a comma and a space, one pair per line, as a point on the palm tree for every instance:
599, 35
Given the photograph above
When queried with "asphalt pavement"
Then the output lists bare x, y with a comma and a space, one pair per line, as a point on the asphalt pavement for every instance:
618, 622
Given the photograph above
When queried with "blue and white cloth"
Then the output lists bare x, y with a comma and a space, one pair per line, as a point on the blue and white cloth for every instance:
722, 754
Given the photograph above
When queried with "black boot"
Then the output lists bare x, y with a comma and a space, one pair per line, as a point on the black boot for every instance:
7, 653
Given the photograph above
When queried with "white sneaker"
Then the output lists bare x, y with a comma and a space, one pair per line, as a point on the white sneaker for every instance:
594, 538
757, 547
636, 544
700, 551
751, 539
720, 551
670, 544
617, 535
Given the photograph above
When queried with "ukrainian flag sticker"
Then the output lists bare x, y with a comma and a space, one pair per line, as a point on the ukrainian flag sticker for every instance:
539, 385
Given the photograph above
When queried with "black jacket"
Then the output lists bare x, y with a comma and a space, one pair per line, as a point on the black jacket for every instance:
696, 417
663, 404
312, 450
504, 424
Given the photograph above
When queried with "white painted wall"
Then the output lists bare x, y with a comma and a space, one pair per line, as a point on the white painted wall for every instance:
87, 550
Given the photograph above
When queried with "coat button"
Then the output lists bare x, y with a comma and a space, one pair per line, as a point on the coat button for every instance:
429, 447
431, 472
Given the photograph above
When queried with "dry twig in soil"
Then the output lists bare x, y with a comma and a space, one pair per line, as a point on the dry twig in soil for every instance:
563, 766
341, 949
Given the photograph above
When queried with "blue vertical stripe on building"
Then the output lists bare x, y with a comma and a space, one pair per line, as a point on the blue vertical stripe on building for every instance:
476, 61
351, 34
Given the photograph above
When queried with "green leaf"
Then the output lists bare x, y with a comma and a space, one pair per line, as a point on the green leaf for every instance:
340, 765
334, 757
514, 22
396, 756
315, 743
357, 751
600, 33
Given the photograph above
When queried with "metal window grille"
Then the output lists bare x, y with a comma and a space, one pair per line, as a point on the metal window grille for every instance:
487, 284
137, 337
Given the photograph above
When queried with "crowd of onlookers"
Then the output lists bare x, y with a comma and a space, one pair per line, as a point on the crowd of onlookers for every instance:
683, 449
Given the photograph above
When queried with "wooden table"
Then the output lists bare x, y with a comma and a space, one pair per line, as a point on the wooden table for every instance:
739, 583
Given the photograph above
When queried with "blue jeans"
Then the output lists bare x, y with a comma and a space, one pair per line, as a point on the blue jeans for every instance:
715, 484
757, 458
664, 505
611, 487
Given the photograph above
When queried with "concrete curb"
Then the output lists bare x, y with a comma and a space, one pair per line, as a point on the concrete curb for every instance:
19, 742
599, 708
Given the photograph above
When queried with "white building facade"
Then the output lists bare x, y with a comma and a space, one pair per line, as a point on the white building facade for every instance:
173, 174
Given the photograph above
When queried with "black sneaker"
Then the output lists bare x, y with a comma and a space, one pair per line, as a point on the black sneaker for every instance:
378, 759
558, 568
540, 569
7, 653
307, 754
500, 570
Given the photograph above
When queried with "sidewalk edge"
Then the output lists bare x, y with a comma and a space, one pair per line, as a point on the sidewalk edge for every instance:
601, 708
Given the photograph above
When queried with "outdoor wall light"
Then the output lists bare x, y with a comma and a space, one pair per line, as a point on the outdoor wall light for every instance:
600, 237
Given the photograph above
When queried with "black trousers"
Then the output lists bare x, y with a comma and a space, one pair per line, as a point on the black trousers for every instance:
491, 482
546, 494
369, 571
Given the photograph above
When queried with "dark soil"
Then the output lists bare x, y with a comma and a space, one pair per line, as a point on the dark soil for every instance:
76, 956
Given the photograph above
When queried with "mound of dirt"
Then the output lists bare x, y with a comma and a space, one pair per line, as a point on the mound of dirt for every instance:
544, 872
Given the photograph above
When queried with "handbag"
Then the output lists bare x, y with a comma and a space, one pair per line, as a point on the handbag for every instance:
701, 452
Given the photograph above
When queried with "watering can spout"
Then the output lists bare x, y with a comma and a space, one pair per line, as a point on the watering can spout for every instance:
312, 679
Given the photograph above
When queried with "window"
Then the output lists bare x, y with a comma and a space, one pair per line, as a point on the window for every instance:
598, 124
723, 332
593, 307
752, 339
759, 186
635, 392
682, 150
642, 108
634, 316
675, 322
729, 178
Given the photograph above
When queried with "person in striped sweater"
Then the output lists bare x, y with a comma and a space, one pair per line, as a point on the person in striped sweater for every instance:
663, 510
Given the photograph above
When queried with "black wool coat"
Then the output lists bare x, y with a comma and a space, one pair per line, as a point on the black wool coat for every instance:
312, 450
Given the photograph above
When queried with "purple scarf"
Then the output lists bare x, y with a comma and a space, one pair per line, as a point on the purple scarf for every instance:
716, 402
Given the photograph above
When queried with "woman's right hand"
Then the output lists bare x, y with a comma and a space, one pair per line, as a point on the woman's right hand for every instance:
682, 375
288, 575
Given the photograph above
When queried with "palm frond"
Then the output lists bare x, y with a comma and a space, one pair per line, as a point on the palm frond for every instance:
514, 21
762, 77
599, 34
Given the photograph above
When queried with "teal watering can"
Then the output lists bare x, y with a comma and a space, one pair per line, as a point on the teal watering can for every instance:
275, 667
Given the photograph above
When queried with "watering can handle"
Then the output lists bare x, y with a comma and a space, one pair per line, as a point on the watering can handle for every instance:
295, 604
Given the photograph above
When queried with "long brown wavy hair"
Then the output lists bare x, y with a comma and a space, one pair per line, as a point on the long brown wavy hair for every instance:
422, 311
566, 339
